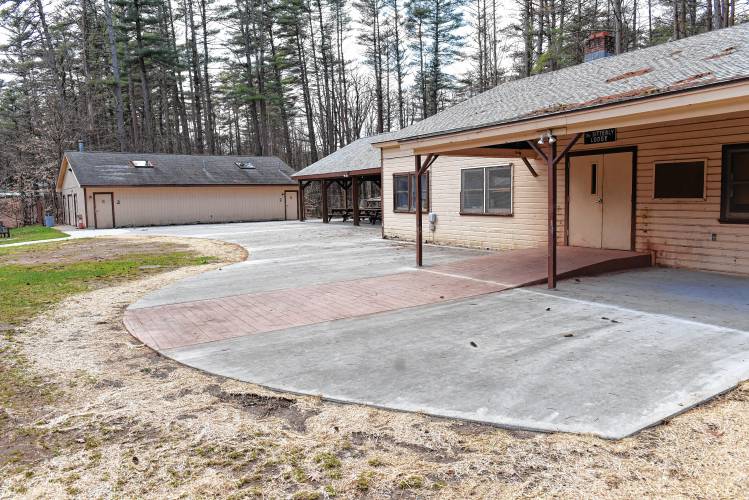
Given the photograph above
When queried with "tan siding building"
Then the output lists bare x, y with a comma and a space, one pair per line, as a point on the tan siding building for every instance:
163, 206
649, 149
679, 232
105, 190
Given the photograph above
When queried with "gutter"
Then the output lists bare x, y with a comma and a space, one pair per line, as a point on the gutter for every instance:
342, 173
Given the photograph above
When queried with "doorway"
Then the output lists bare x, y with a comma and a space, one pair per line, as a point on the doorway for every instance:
291, 208
600, 199
103, 211
70, 211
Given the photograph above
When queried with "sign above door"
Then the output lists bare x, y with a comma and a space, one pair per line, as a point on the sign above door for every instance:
600, 136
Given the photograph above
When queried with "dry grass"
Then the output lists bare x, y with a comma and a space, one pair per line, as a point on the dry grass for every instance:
122, 421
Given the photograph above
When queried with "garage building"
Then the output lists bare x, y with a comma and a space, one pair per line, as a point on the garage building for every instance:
105, 190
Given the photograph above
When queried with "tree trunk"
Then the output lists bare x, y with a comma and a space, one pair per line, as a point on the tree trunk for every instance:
118, 108
247, 46
144, 82
618, 25
196, 84
281, 99
210, 127
177, 89
307, 96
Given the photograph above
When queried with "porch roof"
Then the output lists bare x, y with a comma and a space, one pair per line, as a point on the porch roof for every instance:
357, 158
720, 56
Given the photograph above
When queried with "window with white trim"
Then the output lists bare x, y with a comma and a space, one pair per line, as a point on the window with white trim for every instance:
486, 190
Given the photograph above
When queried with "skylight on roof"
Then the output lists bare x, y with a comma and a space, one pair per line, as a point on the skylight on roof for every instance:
141, 163
244, 164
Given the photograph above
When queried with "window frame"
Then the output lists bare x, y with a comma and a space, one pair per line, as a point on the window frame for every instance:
411, 200
484, 212
726, 216
680, 198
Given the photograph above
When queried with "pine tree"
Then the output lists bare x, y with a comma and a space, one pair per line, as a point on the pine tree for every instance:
372, 39
416, 24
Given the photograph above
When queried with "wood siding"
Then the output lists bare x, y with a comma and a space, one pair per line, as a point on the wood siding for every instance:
525, 228
70, 186
680, 233
159, 206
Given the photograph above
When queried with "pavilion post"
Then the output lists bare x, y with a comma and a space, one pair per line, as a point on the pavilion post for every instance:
324, 200
552, 202
355, 198
551, 161
301, 200
417, 203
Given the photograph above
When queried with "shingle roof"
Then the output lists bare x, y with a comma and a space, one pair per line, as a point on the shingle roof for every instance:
359, 155
114, 169
713, 57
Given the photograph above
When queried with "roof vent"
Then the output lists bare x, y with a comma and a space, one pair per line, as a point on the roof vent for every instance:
246, 165
141, 163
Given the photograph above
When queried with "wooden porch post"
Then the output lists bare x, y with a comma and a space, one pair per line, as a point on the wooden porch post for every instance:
552, 202
419, 237
324, 200
301, 200
355, 198
551, 161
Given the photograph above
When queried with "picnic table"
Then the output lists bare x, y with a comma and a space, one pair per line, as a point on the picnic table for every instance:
373, 214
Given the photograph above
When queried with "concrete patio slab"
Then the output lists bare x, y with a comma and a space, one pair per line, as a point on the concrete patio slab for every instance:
606, 355
184, 322
520, 359
292, 254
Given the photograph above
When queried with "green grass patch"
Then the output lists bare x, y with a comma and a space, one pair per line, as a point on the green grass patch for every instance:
32, 233
411, 483
328, 460
27, 289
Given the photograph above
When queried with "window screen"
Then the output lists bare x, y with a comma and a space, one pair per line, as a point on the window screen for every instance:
404, 192
486, 190
424, 193
473, 190
680, 180
401, 192
735, 203
499, 190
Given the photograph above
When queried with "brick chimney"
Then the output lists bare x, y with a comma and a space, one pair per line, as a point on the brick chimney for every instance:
599, 44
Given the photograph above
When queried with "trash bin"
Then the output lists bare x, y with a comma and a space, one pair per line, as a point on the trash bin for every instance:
49, 220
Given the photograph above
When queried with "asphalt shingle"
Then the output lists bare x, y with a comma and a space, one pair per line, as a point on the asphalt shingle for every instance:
359, 155
114, 169
710, 58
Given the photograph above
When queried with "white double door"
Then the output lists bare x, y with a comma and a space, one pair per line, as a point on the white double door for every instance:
600, 201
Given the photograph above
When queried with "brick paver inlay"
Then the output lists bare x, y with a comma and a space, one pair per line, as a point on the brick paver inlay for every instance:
188, 323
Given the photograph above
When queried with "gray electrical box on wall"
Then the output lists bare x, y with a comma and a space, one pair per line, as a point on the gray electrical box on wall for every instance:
432, 221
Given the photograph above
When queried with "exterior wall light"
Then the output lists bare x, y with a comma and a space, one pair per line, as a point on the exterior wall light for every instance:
547, 136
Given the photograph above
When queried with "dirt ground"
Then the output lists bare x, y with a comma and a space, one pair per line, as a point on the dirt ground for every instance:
113, 419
